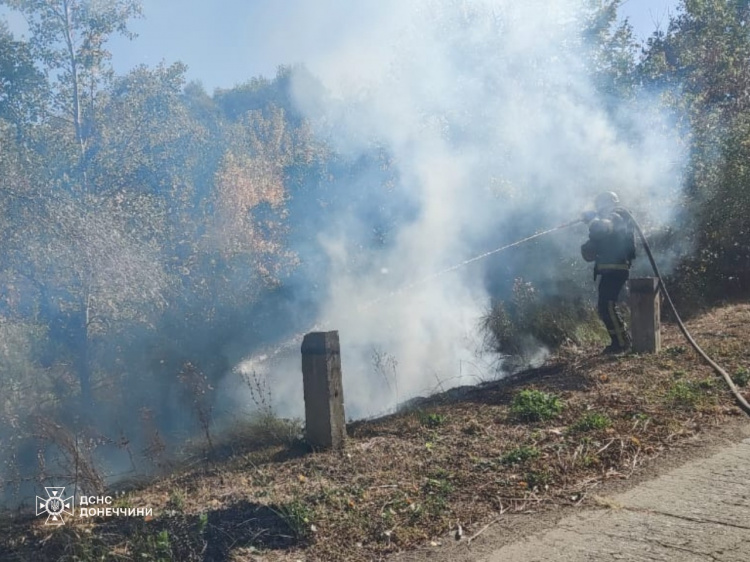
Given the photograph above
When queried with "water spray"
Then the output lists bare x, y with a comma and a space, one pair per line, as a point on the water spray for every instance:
452, 268
293, 342
741, 401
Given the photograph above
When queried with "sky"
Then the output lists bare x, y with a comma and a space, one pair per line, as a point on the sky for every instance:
227, 46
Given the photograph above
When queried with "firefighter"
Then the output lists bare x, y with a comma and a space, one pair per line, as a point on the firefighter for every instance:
611, 246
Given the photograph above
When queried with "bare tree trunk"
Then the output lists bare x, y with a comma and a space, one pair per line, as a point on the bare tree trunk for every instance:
76, 87
84, 367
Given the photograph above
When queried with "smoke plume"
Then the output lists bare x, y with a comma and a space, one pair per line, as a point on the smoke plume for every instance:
492, 120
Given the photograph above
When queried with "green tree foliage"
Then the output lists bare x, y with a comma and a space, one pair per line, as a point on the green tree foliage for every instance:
23, 88
68, 38
702, 63
612, 49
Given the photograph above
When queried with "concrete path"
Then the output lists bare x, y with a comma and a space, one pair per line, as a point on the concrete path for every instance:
698, 512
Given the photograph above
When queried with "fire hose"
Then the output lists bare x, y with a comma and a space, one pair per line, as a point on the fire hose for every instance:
741, 401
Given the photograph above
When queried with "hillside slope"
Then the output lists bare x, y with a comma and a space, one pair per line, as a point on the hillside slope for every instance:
533, 442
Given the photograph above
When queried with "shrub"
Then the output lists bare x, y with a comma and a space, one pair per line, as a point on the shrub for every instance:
517, 326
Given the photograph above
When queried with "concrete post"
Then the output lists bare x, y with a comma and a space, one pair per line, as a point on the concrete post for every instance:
325, 426
645, 315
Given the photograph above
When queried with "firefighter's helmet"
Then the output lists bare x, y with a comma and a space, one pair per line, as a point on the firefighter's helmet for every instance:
606, 202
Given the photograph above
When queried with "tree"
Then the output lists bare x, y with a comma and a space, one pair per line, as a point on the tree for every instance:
702, 62
68, 37
23, 88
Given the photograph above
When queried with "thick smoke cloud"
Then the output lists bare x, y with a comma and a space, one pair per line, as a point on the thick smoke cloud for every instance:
496, 128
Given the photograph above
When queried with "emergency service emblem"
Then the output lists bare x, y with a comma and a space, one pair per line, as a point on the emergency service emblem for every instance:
54, 505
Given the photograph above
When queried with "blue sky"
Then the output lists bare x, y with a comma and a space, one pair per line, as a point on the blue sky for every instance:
245, 38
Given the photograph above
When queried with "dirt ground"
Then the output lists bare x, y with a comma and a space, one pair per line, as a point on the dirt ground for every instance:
456, 475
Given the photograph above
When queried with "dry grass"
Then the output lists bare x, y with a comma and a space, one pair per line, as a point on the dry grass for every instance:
412, 478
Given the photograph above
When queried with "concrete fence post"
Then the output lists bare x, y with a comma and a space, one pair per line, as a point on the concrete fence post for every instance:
645, 315
325, 425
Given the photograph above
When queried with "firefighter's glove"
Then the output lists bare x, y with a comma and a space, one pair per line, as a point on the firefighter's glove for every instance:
588, 216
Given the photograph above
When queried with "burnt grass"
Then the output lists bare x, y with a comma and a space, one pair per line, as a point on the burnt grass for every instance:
438, 472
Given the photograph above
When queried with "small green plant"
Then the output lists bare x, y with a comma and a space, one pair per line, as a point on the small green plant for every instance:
591, 421
176, 500
202, 523
153, 547
437, 493
432, 420
163, 546
741, 377
707, 383
438, 486
520, 455
675, 350
684, 394
298, 518
535, 405
538, 478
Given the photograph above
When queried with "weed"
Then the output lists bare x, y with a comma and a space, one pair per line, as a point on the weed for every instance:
538, 478
298, 517
520, 455
684, 394
432, 420
385, 365
590, 460
675, 350
151, 547
707, 383
176, 500
199, 391
437, 492
202, 523
591, 421
535, 405
529, 315
741, 377
438, 486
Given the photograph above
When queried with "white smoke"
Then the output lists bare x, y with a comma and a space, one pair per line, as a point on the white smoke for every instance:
489, 111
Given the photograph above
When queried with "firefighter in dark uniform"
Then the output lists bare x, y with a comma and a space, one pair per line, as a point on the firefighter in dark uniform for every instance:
611, 246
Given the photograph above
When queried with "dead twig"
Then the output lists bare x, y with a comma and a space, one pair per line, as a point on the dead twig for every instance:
487, 526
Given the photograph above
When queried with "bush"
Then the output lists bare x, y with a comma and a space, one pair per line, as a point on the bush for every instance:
535, 405
517, 326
